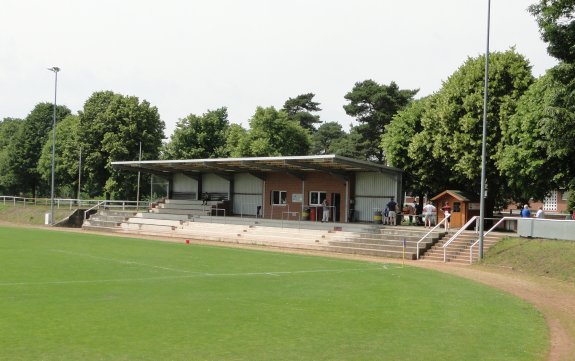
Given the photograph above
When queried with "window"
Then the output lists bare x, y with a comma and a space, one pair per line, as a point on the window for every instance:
279, 197
550, 202
456, 206
315, 198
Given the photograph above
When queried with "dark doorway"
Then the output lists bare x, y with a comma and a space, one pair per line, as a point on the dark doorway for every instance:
335, 202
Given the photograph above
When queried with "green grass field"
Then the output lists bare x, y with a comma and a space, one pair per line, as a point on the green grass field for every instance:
74, 296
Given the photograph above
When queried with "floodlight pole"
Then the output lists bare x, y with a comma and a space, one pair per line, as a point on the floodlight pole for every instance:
484, 140
55, 70
138, 192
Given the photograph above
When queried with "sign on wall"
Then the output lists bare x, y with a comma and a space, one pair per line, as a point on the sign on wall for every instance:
297, 198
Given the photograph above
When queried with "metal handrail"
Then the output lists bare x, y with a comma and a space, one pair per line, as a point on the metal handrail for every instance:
485, 234
463, 228
428, 233
86, 212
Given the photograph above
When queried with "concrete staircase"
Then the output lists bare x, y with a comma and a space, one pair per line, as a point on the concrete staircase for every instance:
458, 249
106, 220
388, 242
351, 238
190, 207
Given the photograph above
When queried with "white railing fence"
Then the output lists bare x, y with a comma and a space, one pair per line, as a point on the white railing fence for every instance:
486, 233
431, 230
71, 203
463, 228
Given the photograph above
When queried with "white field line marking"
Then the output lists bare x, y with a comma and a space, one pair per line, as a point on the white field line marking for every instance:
196, 275
120, 261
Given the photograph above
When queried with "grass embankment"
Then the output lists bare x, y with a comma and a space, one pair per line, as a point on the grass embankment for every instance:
30, 214
74, 296
536, 257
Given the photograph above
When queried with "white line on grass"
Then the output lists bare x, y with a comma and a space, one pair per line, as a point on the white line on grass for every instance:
120, 261
195, 275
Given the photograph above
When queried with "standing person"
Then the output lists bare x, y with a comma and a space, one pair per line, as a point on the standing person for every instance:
428, 211
386, 216
412, 214
418, 213
405, 211
447, 212
540, 213
525, 212
325, 216
392, 206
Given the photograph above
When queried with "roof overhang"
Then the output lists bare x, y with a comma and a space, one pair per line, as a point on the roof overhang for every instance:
331, 164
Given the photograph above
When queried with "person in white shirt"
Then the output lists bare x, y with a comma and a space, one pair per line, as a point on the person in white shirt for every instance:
325, 217
540, 213
428, 212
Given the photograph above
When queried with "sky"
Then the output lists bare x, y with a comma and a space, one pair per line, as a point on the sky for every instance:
188, 57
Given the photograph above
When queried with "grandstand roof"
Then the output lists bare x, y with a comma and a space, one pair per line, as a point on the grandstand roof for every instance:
330, 163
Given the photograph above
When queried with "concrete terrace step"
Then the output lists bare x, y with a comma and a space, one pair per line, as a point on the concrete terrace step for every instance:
185, 202
181, 211
163, 216
101, 223
185, 206
153, 221
390, 247
383, 242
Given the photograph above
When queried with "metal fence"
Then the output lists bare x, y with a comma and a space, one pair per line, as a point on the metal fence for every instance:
66, 203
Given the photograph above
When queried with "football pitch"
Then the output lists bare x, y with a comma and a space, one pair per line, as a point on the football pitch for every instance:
76, 296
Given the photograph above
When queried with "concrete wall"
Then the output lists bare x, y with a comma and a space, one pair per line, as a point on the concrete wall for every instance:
546, 228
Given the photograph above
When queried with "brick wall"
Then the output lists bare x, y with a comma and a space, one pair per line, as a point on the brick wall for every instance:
316, 181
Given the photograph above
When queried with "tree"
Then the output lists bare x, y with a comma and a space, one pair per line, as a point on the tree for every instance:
407, 146
300, 108
538, 154
67, 158
26, 149
9, 129
374, 106
438, 139
199, 136
555, 19
348, 145
455, 122
234, 140
112, 126
273, 133
325, 135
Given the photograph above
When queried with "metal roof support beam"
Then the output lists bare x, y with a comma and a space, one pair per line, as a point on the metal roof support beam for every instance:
364, 166
222, 167
259, 175
193, 175
298, 175
226, 176
342, 175
266, 167
165, 175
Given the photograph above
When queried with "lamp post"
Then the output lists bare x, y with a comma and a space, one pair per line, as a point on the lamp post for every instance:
484, 139
55, 70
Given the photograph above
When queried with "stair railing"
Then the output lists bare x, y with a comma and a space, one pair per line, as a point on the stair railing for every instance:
87, 211
485, 234
428, 233
463, 228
